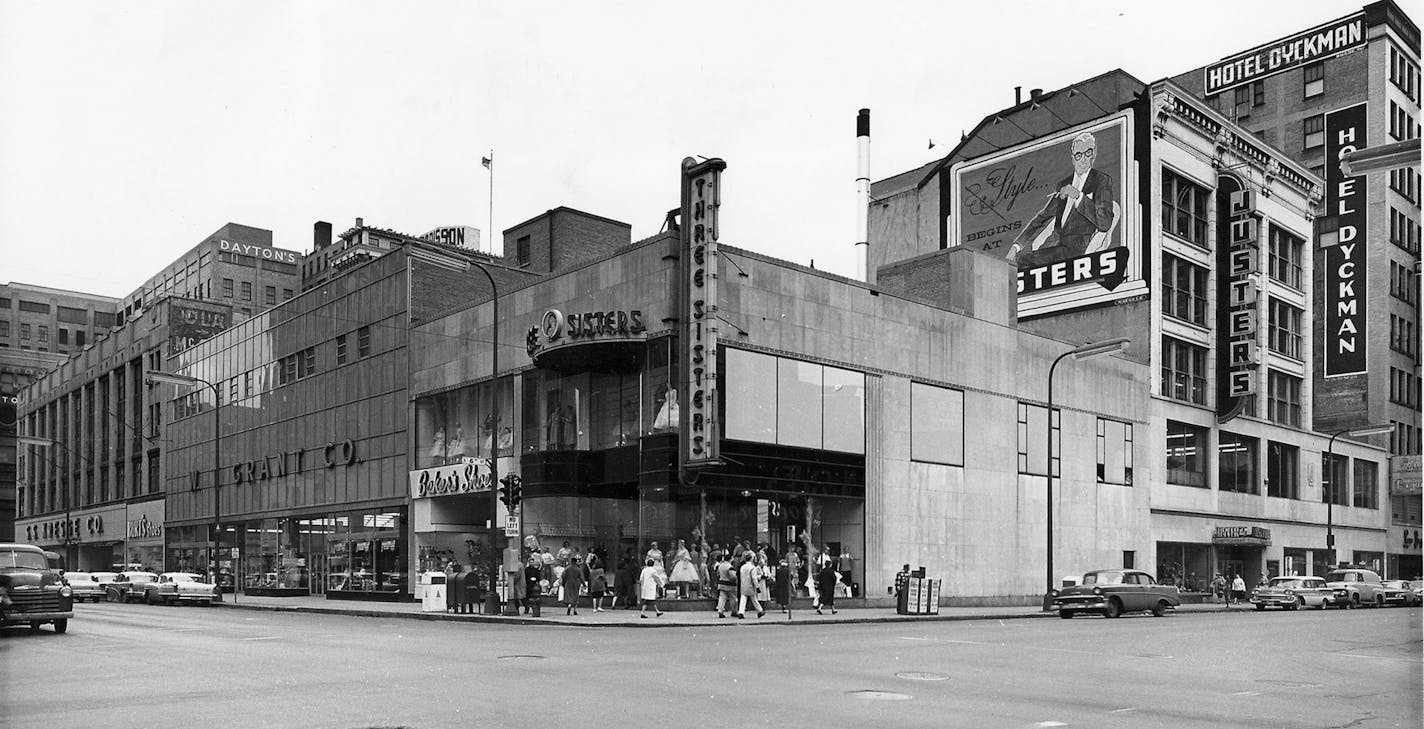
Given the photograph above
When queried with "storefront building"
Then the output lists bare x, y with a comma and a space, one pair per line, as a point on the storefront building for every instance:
1191, 240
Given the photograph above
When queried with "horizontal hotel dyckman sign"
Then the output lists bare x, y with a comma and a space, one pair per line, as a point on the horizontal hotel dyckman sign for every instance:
1279, 56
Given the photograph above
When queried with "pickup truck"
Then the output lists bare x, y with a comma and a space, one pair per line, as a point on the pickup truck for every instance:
31, 592
1356, 586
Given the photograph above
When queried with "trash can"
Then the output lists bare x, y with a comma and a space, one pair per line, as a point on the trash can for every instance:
433, 595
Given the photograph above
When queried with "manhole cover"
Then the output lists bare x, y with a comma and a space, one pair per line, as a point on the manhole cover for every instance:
519, 657
878, 695
921, 676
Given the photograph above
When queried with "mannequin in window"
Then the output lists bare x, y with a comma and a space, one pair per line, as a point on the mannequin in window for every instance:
456, 447
437, 446
667, 417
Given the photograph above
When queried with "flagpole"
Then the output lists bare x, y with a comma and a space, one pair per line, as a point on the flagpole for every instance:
489, 165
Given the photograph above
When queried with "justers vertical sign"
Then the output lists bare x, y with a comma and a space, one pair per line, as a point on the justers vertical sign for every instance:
701, 200
1345, 259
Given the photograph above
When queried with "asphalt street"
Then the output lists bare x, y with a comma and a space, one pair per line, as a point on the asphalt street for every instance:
146, 666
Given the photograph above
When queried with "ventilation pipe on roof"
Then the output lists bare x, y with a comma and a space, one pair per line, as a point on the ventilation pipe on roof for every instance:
1018, 95
862, 194
1035, 93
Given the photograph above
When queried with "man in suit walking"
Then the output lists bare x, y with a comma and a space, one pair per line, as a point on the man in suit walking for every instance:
1080, 208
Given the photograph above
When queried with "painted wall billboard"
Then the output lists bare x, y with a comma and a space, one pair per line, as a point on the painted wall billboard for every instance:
1279, 56
1345, 251
1064, 209
188, 325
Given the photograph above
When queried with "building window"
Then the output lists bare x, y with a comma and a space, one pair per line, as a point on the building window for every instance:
1282, 470
43, 332
363, 341
1401, 284
1313, 128
5, 329
1186, 454
1284, 328
1405, 182
269, 295
79, 337
1236, 463
790, 402
1183, 290
1366, 484
1287, 253
1183, 371
521, 251
227, 288
1184, 208
340, 349
1314, 79
1403, 387
246, 290
1032, 453
936, 424
24, 330
1403, 336
1334, 470
1283, 398
1114, 452
286, 294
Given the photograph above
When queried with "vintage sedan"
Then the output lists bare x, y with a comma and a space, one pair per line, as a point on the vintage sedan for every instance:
85, 587
1114, 592
1292, 593
128, 586
175, 587
1400, 592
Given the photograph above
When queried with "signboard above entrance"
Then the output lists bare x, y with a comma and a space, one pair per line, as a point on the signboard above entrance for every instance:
1247, 535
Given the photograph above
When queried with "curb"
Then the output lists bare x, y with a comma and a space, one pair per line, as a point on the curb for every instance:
549, 622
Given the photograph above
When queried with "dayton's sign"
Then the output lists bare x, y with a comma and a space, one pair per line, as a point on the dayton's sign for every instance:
1282, 55
263, 252
1345, 265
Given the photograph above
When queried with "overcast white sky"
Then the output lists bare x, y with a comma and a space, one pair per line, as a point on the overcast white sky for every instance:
130, 131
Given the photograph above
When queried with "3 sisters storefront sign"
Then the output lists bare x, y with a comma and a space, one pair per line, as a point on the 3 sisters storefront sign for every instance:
470, 477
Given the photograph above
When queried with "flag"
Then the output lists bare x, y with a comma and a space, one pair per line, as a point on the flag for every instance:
487, 161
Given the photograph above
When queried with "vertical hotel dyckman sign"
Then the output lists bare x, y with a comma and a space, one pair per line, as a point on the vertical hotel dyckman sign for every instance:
1312, 45
1345, 261
701, 198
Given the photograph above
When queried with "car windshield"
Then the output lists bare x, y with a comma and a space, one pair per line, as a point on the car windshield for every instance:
79, 576
1345, 577
187, 578
142, 578
103, 576
1287, 582
1102, 578
23, 560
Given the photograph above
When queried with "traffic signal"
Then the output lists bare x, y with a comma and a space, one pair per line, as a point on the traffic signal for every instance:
510, 490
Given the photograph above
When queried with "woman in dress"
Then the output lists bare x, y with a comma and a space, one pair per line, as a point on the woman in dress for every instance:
571, 584
826, 587
649, 583
763, 576
597, 582
683, 573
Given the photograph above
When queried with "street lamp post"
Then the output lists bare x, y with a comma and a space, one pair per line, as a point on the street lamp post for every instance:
1359, 432
171, 378
1087, 351
69, 562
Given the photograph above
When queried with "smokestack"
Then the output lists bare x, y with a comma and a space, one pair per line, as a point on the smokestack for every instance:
1035, 93
1018, 95
862, 194
321, 235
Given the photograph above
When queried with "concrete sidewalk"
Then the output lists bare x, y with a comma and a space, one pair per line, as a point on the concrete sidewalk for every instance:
554, 614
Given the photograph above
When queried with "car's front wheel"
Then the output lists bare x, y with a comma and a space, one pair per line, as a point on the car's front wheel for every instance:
1065, 614
61, 625
111, 595
1113, 610
1160, 609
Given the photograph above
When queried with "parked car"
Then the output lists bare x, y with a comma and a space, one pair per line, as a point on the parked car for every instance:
30, 591
1292, 593
1399, 592
1114, 592
84, 586
175, 587
128, 586
105, 580
1356, 586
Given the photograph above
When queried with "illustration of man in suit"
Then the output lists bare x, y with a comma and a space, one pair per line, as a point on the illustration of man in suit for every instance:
1081, 207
